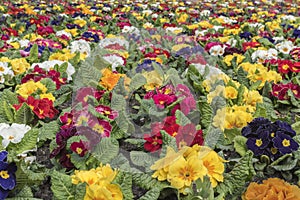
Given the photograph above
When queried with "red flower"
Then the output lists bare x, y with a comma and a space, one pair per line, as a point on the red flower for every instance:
296, 90
248, 45
102, 127
153, 142
83, 93
43, 108
79, 148
280, 91
189, 136
296, 67
67, 120
284, 66
107, 111
162, 100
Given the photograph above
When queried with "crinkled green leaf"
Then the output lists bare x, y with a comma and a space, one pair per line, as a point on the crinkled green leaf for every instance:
206, 113
50, 85
213, 136
152, 194
137, 81
61, 186
106, 150
124, 179
48, 130
234, 181
23, 115
142, 159
181, 119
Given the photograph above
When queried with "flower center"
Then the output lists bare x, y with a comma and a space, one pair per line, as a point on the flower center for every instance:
1, 69
274, 150
285, 67
11, 137
258, 142
286, 143
272, 134
4, 174
107, 112
78, 150
98, 128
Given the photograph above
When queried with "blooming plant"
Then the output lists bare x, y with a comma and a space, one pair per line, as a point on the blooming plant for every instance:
149, 99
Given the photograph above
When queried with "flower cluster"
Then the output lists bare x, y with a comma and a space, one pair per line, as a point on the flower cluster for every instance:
271, 139
280, 91
187, 165
272, 188
99, 183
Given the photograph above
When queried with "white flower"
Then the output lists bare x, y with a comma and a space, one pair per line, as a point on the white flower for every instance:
13, 133
63, 32
278, 39
114, 60
216, 50
232, 42
24, 43
205, 13
47, 65
115, 40
285, 47
174, 29
288, 17
5, 70
272, 53
259, 55
218, 27
131, 29
81, 46
201, 69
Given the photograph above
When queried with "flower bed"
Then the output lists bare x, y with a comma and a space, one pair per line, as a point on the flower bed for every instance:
150, 100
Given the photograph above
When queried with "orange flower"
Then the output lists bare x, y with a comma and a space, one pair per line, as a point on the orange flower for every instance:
109, 79
271, 189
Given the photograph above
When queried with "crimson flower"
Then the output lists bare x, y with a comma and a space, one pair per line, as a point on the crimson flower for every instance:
79, 148
284, 66
153, 142
107, 111
189, 136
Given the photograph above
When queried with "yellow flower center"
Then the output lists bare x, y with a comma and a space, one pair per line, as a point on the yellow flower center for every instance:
286, 143
285, 49
98, 128
1, 69
272, 134
79, 150
107, 112
186, 174
4, 174
274, 150
285, 67
258, 142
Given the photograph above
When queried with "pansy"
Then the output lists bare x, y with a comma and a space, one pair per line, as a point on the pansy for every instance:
12, 133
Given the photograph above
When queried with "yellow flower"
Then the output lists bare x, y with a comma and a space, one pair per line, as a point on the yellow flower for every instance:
183, 172
28, 88
182, 18
106, 173
48, 96
272, 188
4, 59
205, 24
80, 22
32, 37
19, 65
154, 80
90, 177
15, 45
219, 91
230, 92
192, 26
72, 31
252, 97
215, 167
97, 192
228, 59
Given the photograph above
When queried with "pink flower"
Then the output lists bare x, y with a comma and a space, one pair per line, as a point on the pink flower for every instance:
107, 111
102, 127
162, 100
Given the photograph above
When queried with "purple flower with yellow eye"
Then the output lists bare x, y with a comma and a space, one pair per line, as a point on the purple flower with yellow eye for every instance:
7, 175
285, 143
258, 144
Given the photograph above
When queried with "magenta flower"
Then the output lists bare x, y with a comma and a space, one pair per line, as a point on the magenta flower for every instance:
102, 127
80, 148
83, 93
162, 100
107, 111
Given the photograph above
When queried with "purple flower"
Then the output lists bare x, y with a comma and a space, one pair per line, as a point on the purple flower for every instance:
7, 175
284, 143
258, 144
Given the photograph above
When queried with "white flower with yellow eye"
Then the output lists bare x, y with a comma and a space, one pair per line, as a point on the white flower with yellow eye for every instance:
13, 133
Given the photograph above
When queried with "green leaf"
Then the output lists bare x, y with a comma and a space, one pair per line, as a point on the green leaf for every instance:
28, 142
242, 77
80, 191
181, 119
206, 113
255, 86
143, 159
145, 181
61, 186
240, 144
240, 97
48, 130
118, 102
286, 166
35, 177
50, 85
152, 194
34, 54
137, 81
204, 189
121, 162
8, 113
234, 181
25, 192
296, 127
24, 115
168, 140
124, 179
213, 136
106, 150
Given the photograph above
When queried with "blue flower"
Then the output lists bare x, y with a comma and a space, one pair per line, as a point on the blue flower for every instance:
246, 35
7, 175
256, 126
285, 143
284, 126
